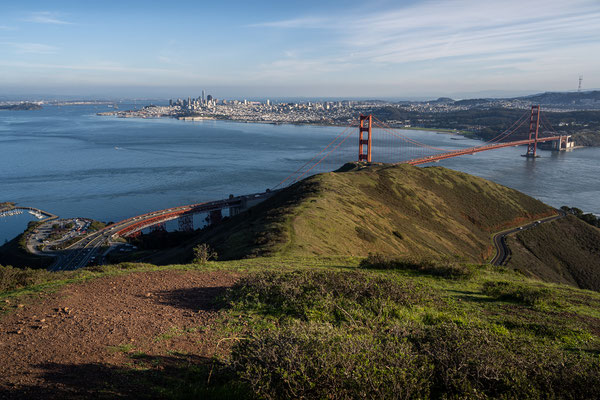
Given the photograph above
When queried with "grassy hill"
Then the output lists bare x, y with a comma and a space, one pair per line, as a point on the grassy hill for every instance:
394, 210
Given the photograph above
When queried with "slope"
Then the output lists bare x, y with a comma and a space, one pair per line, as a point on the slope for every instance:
565, 251
391, 209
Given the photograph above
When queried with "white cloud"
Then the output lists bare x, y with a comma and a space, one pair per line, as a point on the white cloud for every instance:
46, 17
446, 31
31, 48
304, 23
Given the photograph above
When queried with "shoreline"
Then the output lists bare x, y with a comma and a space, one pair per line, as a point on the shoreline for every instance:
446, 131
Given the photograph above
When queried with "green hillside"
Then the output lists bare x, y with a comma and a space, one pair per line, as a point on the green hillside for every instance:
566, 251
394, 210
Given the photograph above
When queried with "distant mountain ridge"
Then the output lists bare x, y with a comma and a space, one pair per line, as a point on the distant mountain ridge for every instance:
562, 99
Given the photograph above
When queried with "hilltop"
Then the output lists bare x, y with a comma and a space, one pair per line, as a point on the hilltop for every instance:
389, 209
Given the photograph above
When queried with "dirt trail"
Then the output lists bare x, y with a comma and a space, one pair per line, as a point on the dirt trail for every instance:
70, 342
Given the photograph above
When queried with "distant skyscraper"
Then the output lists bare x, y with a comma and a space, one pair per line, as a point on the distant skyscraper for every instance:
268, 102
209, 97
203, 95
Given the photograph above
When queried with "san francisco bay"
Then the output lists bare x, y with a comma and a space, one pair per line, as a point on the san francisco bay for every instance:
71, 162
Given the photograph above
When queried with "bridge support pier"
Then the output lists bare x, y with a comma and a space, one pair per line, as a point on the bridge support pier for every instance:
215, 217
186, 223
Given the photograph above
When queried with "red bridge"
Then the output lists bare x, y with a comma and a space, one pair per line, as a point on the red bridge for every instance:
389, 146
392, 146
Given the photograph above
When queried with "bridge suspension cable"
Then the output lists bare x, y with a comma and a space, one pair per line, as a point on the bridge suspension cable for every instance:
324, 157
314, 158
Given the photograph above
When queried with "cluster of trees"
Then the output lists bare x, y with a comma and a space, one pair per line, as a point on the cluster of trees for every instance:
586, 217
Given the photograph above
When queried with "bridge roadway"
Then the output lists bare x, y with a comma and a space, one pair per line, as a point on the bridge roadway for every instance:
473, 150
79, 254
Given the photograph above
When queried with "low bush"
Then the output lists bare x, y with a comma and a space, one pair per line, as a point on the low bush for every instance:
471, 362
442, 268
308, 361
323, 294
16, 278
203, 254
511, 291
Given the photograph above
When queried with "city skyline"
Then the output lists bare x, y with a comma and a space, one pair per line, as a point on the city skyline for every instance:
336, 49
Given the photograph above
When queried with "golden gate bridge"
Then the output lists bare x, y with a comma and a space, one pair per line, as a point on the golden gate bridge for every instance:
377, 142
380, 143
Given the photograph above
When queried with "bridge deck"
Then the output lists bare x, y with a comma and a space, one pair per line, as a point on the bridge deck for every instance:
473, 150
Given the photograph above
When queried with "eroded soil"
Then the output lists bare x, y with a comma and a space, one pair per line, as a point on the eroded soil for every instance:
90, 339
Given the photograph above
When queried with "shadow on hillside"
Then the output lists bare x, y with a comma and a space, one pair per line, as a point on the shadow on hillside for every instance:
180, 376
471, 296
194, 299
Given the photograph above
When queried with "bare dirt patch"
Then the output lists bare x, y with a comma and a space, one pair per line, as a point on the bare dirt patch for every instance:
77, 342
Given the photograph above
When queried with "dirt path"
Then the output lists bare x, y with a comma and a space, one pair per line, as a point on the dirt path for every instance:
75, 342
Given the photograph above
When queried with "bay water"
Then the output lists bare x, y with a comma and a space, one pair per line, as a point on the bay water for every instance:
73, 163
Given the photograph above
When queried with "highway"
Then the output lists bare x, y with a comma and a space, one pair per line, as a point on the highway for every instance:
79, 254
499, 239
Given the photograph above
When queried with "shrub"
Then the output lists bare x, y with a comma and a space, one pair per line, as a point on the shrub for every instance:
511, 291
15, 278
307, 361
203, 254
471, 362
303, 294
442, 268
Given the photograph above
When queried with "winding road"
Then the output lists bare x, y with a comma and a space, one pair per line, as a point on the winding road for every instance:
499, 239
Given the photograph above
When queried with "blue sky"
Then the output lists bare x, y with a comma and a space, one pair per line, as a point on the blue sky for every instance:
298, 48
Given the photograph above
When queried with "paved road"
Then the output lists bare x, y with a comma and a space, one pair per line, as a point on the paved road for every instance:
502, 250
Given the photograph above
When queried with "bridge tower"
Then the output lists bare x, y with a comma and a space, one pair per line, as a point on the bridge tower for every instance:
366, 122
534, 127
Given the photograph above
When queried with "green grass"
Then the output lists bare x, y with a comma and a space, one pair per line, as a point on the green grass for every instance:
344, 333
393, 210
342, 327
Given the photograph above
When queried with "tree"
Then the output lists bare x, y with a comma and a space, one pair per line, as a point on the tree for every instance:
203, 254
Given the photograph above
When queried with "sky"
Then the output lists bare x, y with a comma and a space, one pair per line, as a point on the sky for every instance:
259, 49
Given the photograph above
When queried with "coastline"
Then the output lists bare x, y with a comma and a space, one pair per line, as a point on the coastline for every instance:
445, 131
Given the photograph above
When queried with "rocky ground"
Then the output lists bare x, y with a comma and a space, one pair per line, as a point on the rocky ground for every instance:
81, 340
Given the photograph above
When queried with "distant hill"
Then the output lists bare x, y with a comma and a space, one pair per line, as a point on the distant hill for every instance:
564, 98
395, 210
21, 107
